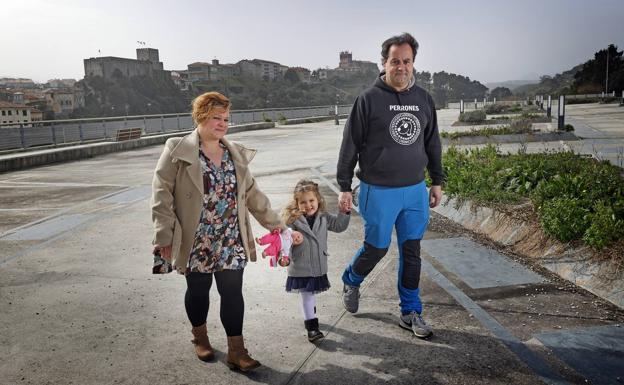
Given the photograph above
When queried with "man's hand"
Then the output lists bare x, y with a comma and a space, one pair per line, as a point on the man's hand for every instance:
435, 196
165, 252
345, 200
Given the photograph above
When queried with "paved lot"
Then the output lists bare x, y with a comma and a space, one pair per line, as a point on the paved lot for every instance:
78, 304
600, 128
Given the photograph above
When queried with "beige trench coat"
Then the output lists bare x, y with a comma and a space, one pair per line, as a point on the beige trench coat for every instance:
177, 198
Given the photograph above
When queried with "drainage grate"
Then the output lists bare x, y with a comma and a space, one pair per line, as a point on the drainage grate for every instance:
130, 195
49, 228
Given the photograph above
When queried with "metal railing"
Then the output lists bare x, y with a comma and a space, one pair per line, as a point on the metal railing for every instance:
15, 136
469, 104
592, 96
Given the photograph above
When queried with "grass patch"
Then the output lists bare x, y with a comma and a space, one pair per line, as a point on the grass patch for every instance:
486, 131
574, 197
519, 126
495, 109
478, 117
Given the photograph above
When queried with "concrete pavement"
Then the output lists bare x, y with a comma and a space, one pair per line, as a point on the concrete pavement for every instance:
79, 305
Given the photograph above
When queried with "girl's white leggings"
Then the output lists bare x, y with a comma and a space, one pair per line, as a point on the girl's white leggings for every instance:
308, 303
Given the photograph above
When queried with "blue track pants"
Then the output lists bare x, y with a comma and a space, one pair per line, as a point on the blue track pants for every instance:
385, 208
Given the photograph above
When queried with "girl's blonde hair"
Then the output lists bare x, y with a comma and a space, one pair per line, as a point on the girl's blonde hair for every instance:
207, 105
291, 212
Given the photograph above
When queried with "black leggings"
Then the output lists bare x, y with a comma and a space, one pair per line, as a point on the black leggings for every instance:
230, 287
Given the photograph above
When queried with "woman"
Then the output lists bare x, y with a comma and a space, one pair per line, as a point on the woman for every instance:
202, 195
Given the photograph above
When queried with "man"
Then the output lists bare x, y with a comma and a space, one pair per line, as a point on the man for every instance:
392, 132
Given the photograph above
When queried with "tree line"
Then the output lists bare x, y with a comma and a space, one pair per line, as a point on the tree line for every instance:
605, 72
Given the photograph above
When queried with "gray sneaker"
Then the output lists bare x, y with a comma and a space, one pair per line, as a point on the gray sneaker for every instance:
351, 298
414, 322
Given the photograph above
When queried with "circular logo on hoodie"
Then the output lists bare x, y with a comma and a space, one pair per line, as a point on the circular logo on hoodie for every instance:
405, 128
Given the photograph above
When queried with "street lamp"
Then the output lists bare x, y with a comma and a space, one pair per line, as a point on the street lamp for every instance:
607, 75
337, 122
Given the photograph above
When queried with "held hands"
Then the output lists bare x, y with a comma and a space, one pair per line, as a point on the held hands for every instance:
345, 201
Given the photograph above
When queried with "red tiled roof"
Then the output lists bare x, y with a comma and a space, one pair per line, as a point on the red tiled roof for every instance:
259, 61
4, 104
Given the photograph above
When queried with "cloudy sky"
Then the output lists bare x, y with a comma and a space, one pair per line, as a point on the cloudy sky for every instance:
487, 40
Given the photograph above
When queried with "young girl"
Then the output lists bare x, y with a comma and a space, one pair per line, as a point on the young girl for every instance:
307, 272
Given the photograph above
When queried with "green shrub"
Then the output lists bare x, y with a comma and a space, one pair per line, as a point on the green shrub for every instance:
265, 118
605, 227
564, 218
475, 116
575, 197
521, 126
485, 131
281, 118
568, 128
496, 108
607, 99
473, 174
579, 101
535, 117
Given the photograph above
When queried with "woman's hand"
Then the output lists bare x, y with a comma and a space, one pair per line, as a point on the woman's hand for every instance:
165, 252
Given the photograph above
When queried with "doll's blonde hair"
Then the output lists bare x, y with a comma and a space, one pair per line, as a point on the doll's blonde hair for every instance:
291, 212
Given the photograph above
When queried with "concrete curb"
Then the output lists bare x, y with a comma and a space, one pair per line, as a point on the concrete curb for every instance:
313, 119
23, 160
528, 239
512, 138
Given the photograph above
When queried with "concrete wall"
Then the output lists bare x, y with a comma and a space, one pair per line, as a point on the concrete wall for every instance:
106, 66
20, 161
573, 263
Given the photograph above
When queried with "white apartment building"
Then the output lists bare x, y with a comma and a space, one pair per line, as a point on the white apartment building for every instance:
11, 113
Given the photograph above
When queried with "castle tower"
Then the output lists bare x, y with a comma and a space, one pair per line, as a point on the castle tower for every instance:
346, 59
147, 54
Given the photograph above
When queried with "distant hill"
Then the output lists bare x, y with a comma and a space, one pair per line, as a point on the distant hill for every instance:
585, 78
560, 83
136, 95
511, 84
253, 93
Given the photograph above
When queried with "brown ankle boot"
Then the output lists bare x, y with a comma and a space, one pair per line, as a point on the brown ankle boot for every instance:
202, 344
237, 357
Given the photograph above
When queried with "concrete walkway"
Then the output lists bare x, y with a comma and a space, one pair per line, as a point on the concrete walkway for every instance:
78, 304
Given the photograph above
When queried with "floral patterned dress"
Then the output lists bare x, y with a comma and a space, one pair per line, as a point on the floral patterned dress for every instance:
218, 244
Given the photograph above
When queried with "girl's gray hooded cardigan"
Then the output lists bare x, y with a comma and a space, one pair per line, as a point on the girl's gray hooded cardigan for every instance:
309, 259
